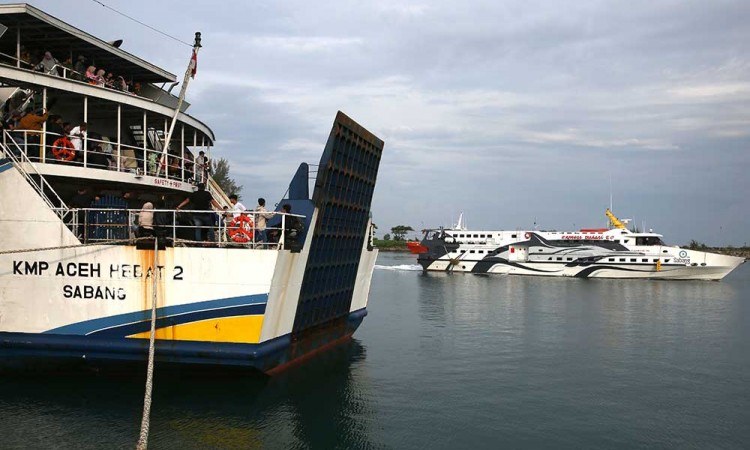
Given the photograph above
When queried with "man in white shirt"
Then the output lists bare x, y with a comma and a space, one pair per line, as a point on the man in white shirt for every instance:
237, 207
77, 135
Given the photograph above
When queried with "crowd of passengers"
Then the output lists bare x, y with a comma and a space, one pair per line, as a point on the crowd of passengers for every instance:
82, 70
151, 215
64, 144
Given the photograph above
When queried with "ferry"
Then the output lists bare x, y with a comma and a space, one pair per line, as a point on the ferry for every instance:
613, 252
95, 230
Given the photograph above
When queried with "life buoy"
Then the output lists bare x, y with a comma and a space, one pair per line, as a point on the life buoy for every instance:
241, 228
527, 235
63, 149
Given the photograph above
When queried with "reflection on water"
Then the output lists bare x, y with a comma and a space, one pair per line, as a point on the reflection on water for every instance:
315, 405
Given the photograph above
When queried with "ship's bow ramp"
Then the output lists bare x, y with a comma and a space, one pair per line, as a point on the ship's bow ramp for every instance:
342, 197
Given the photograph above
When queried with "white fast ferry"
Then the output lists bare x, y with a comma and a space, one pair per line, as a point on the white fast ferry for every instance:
83, 257
589, 253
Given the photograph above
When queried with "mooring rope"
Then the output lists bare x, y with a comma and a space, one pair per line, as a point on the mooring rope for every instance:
145, 422
60, 247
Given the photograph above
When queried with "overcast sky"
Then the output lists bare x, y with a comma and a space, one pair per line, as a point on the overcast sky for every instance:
512, 112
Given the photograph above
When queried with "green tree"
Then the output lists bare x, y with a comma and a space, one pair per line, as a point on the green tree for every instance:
399, 232
387, 237
220, 174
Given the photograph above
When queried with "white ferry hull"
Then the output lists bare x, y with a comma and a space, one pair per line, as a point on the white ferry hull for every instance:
252, 307
532, 254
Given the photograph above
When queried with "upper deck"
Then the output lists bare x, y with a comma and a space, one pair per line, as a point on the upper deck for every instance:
43, 68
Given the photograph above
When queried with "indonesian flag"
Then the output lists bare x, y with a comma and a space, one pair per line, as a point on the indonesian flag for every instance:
193, 64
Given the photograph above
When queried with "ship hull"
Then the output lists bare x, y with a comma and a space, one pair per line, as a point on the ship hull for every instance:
35, 350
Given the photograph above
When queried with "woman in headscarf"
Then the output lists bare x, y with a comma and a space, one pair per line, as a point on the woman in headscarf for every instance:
100, 77
91, 75
47, 64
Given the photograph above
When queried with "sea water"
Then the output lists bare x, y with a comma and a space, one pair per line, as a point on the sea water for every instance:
447, 361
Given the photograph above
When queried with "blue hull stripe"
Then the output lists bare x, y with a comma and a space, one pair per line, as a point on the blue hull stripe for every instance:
5, 164
177, 314
263, 356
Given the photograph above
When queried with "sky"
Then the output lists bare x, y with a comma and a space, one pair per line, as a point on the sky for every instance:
520, 114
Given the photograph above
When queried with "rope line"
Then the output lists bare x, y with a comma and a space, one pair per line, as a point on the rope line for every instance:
145, 25
146, 421
40, 249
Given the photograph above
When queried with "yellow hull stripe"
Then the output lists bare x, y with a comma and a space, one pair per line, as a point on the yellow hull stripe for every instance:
241, 330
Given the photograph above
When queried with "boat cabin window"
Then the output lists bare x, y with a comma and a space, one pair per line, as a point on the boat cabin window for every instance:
644, 260
622, 259
633, 259
513, 236
559, 259
570, 259
471, 251
611, 259
656, 259
463, 251
626, 241
648, 240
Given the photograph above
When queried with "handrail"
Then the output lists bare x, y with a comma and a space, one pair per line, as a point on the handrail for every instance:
40, 187
88, 231
146, 165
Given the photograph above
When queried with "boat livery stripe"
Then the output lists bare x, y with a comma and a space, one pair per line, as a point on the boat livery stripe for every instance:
5, 164
163, 322
120, 320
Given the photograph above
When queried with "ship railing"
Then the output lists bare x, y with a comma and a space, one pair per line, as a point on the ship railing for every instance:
183, 227
39, 146
20, 160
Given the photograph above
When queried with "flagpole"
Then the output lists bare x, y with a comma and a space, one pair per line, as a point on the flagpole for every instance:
188, 74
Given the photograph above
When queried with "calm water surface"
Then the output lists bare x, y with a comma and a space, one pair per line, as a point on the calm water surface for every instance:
449, 361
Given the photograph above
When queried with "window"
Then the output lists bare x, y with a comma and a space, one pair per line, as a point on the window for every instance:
570, 259
611, 259
644, 260
549, 259
627, 240
559, 259
666, 260
481, 236
622, 259
480, 251
461, 235
633, 259
513, 236
476, 235
472, 251
656, 259
463, 251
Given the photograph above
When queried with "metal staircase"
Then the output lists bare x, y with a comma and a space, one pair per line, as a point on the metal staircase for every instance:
12, 151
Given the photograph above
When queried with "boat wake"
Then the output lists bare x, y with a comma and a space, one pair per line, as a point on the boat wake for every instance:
404, 267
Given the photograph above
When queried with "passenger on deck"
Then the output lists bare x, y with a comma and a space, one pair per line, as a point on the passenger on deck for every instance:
97, 158
261, 216
201, 200
33, 123
146, 220
47, 64
202, 166
293, 227
109, 80
77, 135
90, 75
120, 84
237, 207
82, 199
67, 65
100, 77
80, 68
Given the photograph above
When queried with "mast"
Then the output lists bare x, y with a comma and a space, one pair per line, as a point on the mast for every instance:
188, 75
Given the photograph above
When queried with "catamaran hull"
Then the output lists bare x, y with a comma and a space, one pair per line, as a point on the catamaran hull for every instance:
666, 272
